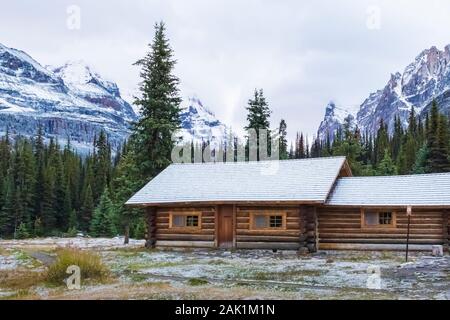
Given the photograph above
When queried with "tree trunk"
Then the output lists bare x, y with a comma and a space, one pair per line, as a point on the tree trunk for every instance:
127, 234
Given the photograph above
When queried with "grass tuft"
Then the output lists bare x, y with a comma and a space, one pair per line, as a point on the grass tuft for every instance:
91, 266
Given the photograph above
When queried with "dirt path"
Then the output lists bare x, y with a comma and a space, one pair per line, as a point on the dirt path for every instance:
44, 258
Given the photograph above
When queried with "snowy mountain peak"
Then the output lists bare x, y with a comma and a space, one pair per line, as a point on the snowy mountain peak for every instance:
334, 117
79, 75
425, 79
15, 62
198, 123
70, 101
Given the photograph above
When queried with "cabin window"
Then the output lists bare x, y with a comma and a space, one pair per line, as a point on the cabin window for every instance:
185, 220
267, 220
373, 218
276, 221
385, 217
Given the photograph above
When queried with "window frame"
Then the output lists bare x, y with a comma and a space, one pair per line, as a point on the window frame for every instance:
185, 214
267, 214
378, 211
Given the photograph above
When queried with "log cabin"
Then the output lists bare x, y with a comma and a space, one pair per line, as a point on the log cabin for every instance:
306, 204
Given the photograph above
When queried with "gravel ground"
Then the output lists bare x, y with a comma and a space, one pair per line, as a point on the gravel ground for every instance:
242, 274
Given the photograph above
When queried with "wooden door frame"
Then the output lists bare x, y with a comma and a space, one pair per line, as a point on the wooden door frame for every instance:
217, 228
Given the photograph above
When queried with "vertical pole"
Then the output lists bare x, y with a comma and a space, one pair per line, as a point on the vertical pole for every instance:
408, 214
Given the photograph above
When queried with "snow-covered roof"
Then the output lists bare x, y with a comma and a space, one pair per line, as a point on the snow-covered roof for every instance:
304, 180
407, 190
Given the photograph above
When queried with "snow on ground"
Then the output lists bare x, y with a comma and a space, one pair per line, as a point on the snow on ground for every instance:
8, 263
79, 242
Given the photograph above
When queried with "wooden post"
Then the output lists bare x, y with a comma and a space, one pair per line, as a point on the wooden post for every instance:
446, 229
151, 228
408, 214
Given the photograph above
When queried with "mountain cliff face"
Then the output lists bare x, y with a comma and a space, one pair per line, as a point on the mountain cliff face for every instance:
70, 102
74, 102
425, 79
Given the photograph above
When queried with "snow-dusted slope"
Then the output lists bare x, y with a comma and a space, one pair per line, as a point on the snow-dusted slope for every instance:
199, 124
425, 79
334, 118
69, 101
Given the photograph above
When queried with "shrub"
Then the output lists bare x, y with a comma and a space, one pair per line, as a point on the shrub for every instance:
22, 231
91, 266
197, 282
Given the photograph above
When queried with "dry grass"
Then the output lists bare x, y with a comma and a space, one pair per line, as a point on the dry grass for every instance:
20, 279
91, 266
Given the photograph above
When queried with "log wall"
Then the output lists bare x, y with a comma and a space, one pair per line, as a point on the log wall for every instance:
340, 228
290, 238
186, 237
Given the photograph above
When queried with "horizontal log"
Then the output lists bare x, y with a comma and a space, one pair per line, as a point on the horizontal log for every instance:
368, 246
186, 237
184, 231
340, 220
268, 238
188, 244
184, 209
420, 226
382, 230
268, 245
292, 226
344, 225
338, 235
388, 241
205, 226
208, 225
294, 233
243, 225
271, 208
242, 215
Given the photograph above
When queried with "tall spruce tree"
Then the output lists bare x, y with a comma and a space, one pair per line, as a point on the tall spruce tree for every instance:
124, 185
159, 105
258, 117
437, 141
102, 223
386, 167
282, 135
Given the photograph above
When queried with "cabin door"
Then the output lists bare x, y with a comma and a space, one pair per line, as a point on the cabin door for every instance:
225, 227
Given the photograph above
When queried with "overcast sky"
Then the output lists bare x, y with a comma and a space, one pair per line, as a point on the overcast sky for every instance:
302, 53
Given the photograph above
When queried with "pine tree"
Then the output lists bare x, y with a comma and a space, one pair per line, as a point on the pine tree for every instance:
381, 142
397, 137
283, 140
350, 146
386, 167
420, 164
7, 218
258, 117
22, 231
102, 224
125, 184
102, 164
87, 209
159, 104
437, 142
